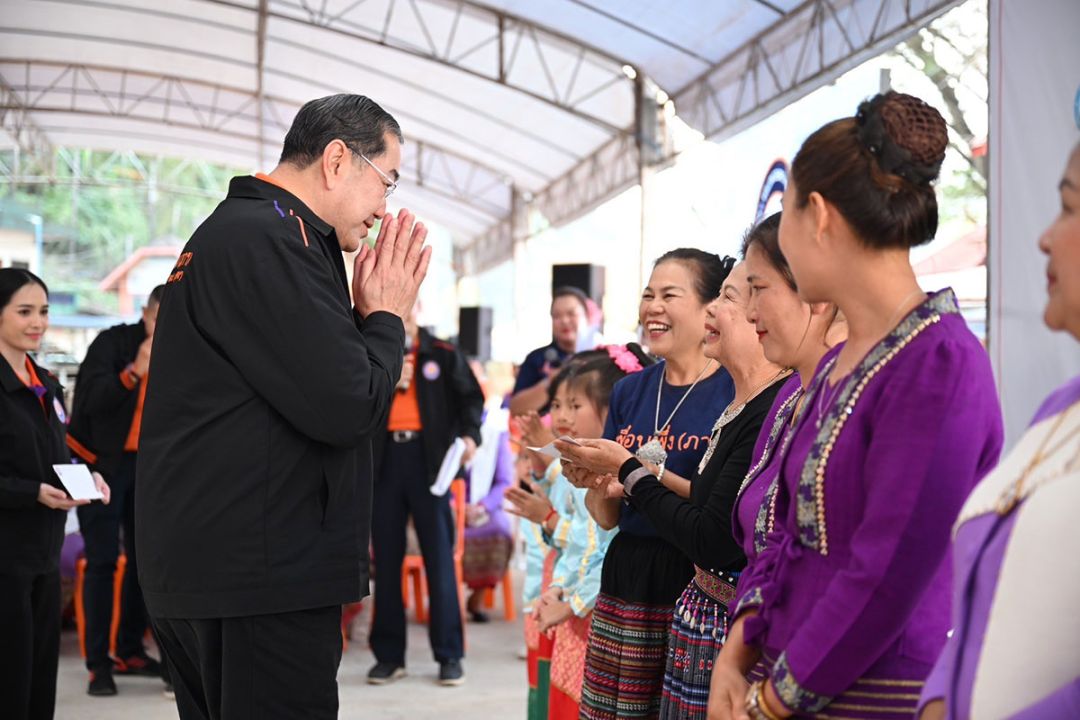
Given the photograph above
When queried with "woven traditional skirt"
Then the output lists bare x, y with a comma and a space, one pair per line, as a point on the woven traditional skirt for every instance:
869, 698
624, 666
698, 630
485, 560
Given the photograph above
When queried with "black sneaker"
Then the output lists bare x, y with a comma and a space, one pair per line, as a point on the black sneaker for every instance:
385, 673
143, 665
451, 673
101, 684
479, 616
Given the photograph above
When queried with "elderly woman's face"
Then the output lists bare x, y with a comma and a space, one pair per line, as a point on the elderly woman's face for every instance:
1061, 244
729, 337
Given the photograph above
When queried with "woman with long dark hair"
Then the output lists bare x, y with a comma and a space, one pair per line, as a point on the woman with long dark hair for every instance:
33, 503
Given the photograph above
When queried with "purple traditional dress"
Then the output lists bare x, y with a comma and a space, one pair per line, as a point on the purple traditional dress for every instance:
755, 504
851, 592
489, 544
1015, 647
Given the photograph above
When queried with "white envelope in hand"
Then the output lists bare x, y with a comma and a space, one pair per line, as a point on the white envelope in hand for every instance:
78, 481
551, 451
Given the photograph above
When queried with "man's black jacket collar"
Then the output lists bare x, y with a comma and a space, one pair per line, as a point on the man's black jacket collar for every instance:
249, 186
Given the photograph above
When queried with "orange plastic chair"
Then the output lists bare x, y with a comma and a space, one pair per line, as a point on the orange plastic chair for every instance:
80, 614
413, 567
509, 609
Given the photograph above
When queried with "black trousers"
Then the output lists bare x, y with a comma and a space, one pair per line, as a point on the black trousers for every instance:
29, 645
101, 527
402, 490
255, 668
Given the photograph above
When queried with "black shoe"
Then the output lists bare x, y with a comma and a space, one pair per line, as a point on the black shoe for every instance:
385, 673
101, 684
142, 664
451, 673
479, 616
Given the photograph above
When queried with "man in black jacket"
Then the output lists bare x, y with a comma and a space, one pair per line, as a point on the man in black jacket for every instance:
437, 400
104, 433
266, 387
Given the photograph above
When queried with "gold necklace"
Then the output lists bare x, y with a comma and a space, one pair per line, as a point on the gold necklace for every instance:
1015, 492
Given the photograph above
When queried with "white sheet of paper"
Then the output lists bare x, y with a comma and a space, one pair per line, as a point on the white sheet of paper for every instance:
486, 460
448, 470
78, 481
551, 451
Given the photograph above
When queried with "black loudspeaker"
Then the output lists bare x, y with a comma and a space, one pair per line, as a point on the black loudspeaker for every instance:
587, 278
474, 331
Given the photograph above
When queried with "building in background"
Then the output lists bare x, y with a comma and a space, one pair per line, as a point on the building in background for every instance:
141, 272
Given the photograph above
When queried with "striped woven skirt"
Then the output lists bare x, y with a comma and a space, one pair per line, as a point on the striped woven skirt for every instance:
698, 630
625, 660
869, 698
624, 666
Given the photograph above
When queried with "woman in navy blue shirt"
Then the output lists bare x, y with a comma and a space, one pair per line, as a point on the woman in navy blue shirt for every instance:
664, 415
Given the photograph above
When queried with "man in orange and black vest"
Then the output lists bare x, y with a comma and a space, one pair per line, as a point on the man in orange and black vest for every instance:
436, 401
104, 433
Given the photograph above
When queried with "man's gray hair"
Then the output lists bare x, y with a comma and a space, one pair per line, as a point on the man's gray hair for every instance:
356, 120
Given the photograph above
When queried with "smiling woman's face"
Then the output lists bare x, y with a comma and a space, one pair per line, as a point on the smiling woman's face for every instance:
670, 311
1061, 244
729, 337
24, 320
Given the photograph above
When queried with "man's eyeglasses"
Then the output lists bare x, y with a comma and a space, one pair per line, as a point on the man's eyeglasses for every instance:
391, 186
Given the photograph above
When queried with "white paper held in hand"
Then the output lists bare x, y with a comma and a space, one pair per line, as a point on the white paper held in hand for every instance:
448, 470
78, 481
551, 451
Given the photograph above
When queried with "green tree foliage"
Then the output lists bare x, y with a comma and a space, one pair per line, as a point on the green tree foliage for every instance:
100, 206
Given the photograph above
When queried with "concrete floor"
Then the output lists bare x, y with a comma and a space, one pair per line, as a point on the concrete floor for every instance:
495, 686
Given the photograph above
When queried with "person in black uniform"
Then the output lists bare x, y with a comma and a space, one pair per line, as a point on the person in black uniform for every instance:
267, 383
437, 400
105, 424
33, 503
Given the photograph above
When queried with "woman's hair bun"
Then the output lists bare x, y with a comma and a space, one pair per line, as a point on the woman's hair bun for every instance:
906, 136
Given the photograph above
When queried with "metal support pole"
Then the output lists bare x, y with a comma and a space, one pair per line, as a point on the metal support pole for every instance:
39, 243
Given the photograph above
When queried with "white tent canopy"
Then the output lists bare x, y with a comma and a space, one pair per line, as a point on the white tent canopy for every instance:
554, 104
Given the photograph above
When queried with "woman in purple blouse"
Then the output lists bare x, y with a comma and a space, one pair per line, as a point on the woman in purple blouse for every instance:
845, 610
793, 334
1015, 647
489, 541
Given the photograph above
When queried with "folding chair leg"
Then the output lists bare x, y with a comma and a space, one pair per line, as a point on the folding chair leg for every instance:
509, 611
80, 614
420, 588
118, 594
